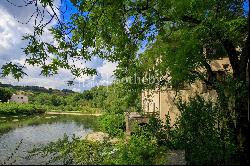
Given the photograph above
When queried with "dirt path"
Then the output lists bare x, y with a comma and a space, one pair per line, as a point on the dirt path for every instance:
71, 113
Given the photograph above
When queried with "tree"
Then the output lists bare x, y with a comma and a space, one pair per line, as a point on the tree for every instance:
56, 100
5, 94
87, 95
117, 29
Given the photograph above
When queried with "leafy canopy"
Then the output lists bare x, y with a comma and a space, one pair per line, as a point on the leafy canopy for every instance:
174, 31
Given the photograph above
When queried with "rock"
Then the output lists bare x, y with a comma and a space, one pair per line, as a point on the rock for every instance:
97, 136
114, 140
100, 137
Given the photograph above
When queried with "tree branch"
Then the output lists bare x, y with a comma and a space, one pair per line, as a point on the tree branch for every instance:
232, 55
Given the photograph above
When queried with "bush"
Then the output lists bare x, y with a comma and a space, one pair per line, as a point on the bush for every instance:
163, 132
139, 150
113, 124
16, 109
204, 133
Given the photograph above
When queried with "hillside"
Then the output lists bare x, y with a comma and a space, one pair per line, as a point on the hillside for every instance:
35, 89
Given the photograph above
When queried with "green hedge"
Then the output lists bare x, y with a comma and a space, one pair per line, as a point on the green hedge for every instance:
17, 109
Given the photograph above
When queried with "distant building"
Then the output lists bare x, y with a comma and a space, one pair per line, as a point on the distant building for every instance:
19, 98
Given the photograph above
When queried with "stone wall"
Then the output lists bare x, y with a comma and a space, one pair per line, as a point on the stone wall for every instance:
163, 100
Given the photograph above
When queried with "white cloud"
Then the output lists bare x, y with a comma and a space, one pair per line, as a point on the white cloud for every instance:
107, 69
11, 32
107, 72
76, 89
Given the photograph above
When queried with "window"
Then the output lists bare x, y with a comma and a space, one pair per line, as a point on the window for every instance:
219, 75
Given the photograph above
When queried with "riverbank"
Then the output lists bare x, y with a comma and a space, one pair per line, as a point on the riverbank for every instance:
72, 113
20, 109
174, 157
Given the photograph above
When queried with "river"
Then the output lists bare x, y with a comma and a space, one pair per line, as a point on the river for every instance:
20, 134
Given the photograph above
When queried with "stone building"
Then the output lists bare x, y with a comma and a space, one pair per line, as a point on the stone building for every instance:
19, 98
163, 100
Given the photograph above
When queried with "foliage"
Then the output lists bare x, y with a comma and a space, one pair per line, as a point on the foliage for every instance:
203, 132
90, 153
136, 150
16, 109
113, 124
110, 99
163, 132
14, 69
175, 32
230, 91
47, 99
139, 149
60, 150
121, 99
5, 94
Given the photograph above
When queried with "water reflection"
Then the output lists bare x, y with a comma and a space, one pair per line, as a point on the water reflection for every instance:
39, 130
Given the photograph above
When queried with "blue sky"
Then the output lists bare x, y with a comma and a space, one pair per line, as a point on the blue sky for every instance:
246, 7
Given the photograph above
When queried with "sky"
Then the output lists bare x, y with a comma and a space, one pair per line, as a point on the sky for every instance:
11, 32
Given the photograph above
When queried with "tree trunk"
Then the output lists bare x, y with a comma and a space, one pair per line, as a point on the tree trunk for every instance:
241, 99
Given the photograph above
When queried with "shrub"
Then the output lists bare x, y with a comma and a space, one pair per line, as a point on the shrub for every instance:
165, 134
15, 109
139, 150
73, 151
113, 124
204, 133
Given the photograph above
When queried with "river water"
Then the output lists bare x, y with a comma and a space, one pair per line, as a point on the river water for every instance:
20, 134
